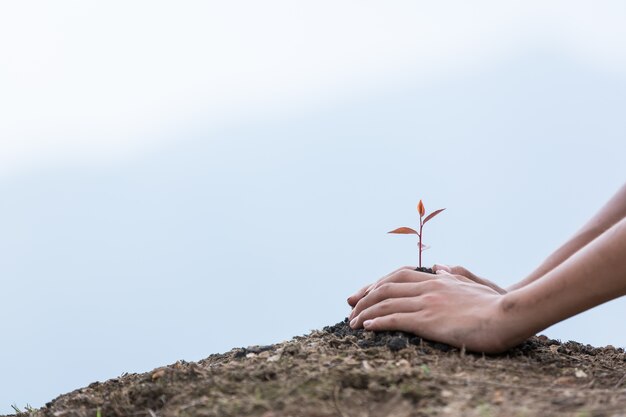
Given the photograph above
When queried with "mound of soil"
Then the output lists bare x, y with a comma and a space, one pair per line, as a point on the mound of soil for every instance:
348, 373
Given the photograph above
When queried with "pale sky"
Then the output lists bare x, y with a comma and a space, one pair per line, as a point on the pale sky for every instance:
181, 178
97, 80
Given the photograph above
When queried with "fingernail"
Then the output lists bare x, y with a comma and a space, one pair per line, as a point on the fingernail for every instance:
440, 272
351, 316
353, 322
367, 323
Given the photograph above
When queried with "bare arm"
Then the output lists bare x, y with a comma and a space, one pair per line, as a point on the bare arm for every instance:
592, 276
455, 310
611, 213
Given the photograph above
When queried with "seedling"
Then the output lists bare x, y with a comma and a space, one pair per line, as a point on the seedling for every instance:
408, 231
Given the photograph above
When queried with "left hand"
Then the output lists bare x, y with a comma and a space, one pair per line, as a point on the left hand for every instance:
445, 308
460, 270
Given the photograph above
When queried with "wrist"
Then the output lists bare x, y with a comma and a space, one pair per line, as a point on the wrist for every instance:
514, 323
498, 332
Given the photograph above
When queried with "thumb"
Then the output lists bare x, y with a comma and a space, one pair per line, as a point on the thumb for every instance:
460, 270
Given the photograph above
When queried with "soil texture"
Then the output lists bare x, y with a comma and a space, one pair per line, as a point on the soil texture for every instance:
353, 373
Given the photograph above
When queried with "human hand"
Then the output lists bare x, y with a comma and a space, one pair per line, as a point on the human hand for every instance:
455, 270
447, 308
354, 298
459, 270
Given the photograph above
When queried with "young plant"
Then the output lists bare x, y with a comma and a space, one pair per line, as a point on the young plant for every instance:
408, 231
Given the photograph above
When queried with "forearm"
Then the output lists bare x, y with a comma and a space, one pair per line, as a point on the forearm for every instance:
610, 214
592, 276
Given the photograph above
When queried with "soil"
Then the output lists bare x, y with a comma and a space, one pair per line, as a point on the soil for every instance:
348, 373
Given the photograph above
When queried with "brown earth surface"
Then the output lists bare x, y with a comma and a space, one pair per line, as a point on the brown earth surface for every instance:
346, 373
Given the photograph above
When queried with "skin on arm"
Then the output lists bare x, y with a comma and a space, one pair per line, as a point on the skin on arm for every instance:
590, 277
454, 309
611, 213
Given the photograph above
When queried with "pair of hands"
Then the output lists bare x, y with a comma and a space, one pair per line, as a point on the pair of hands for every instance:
454, 306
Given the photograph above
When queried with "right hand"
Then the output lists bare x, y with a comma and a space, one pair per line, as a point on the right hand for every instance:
460, 270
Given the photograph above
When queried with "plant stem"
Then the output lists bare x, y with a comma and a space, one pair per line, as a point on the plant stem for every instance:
420, 242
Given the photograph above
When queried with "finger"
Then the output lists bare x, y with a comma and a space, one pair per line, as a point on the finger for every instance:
406, 322
460, 270
384, 292
455, 270
354, 298
386, 307
487, 283
439, 267
457, 277
404, 275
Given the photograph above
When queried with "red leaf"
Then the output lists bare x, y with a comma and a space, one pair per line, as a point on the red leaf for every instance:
404, 231
420, 208
433, 214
